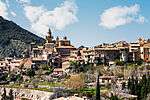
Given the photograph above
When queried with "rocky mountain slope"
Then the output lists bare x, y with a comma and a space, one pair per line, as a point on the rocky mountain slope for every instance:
14, 40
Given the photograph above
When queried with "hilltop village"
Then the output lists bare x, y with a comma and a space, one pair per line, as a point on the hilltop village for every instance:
60, 71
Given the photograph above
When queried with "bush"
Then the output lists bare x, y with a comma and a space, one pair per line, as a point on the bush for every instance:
30, 73
75, 82
119, 63
140, 62
49, 71
45, 67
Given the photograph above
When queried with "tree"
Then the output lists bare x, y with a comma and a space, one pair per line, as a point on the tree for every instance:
75, 82
30, 72
39, 73
123, 85
74, 67
11, 94
49, 71
119, 63
141, 88
4, 96
97, 88
113, 97
129, 83
136, 85
148, 84
143, 92
133, 85
45, 66
118, 72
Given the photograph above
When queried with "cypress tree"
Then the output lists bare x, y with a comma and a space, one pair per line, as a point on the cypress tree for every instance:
143, 92
97, 88
133, 86
138, 91
11, 94
129, 83
148, 84
4, 97
123, 85
141, 88
136, 85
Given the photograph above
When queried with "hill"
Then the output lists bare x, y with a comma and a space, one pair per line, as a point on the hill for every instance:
14, 40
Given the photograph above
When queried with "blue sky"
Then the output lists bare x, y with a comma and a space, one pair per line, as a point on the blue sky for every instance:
84, 22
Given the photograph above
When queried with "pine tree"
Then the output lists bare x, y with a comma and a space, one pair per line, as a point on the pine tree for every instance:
97, 88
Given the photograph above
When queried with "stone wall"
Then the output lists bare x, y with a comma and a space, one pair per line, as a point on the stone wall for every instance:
28, 93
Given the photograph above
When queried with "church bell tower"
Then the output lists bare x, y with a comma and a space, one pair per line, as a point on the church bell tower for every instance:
49, 38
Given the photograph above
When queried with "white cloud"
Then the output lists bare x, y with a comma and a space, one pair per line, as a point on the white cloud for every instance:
141, 19
41, 18
117, 16
3, 10
7, 3
13, 14
24, 2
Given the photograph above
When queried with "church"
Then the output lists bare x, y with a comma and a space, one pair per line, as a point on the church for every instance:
54, 51
61, 46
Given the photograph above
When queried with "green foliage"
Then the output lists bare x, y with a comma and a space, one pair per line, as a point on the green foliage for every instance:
141, 88
119, 63
75, 67
113, 97
4, 77
30, 72
123, 85
49, 71
19, 78
15, 77
97, 88
129, 83
45, 66
78, 67
88, 91
140, 62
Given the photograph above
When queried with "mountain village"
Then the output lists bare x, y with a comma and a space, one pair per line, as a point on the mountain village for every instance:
60, 71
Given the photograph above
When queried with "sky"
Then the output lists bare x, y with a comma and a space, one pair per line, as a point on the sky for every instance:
84, 22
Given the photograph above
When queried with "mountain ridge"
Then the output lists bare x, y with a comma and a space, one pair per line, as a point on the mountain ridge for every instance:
14, 38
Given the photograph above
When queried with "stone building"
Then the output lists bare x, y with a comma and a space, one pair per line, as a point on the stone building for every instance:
61, 46
64, 47
134, 51
53, 52
146, 53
